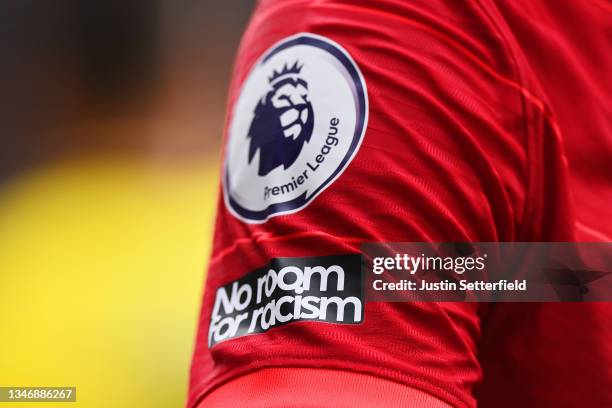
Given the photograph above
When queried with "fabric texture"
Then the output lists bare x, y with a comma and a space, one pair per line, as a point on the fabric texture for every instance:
487, 122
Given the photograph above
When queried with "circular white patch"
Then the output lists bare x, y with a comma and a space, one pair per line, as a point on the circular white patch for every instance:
297, 124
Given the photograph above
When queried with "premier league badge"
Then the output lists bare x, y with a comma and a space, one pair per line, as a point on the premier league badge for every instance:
297, 124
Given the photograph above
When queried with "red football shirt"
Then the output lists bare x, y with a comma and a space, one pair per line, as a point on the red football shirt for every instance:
418, 121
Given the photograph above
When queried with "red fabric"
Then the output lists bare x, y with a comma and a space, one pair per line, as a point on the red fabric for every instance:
489, 121
315, 387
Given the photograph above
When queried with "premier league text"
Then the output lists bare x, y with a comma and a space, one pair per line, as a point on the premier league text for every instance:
312, 166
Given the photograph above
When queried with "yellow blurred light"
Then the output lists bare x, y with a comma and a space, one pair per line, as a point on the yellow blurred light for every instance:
101, 274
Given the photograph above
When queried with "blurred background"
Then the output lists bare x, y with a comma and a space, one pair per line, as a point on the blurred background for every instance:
111, 120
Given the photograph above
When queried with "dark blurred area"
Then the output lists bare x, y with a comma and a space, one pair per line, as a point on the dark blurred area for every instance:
111, 117
96, 75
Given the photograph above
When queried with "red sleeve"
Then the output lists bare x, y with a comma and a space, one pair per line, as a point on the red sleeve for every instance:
442, 157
